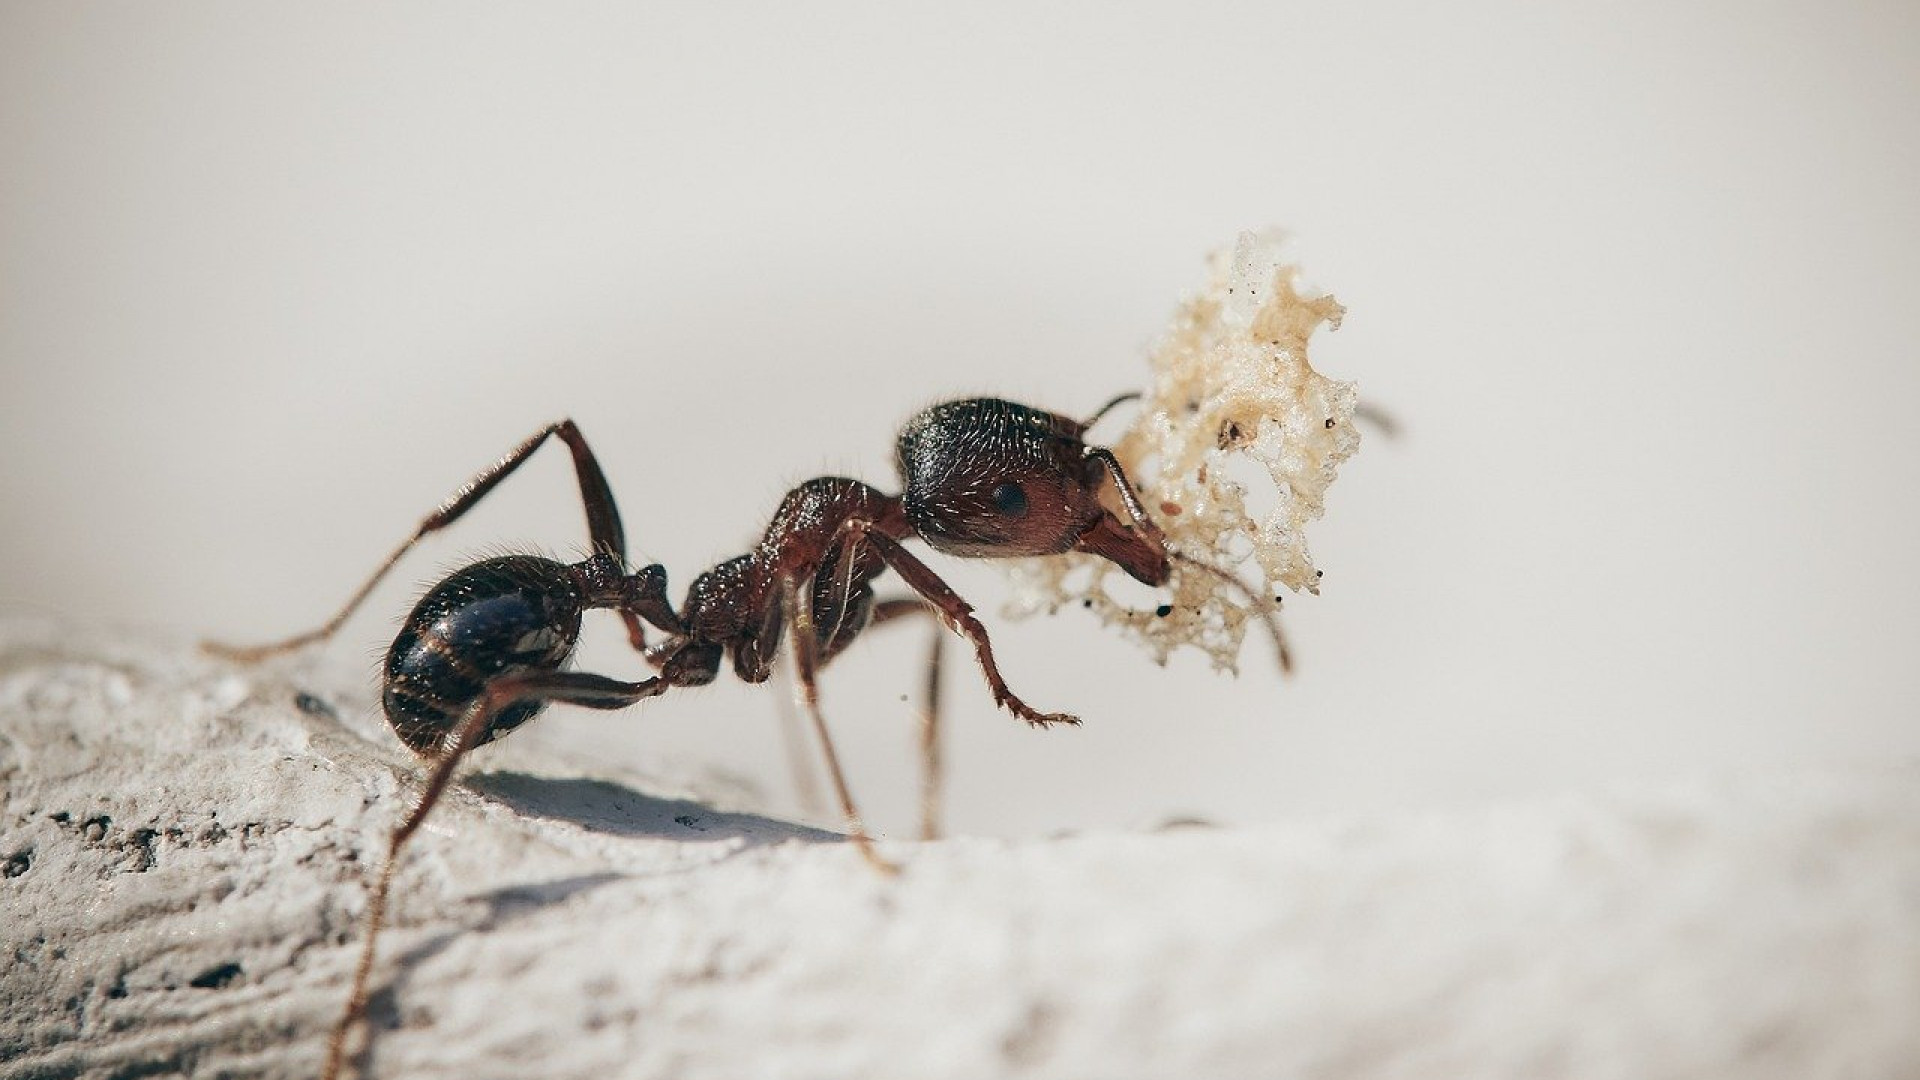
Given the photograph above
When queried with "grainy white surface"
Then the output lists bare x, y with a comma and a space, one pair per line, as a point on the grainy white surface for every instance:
185, 854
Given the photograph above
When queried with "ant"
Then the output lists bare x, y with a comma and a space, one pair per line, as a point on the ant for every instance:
487, 649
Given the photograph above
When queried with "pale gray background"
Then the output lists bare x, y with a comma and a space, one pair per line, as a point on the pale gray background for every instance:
1640, 280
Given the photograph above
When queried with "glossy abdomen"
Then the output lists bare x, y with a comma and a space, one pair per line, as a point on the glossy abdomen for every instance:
503, 616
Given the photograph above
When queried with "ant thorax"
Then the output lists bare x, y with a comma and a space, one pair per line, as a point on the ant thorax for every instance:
1233, 395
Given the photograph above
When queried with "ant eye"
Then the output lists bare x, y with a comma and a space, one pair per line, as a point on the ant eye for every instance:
1010, 500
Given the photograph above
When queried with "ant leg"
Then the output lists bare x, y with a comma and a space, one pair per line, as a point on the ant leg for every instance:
799, 765
1258, 604
957, 614
806, 669
603, 529
573, 688
1144, 523
801, 769
931, 770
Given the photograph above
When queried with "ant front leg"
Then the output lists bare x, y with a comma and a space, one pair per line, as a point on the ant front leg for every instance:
958, 615
573, 688
603, 530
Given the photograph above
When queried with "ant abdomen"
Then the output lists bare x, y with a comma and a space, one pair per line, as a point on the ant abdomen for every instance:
506, 615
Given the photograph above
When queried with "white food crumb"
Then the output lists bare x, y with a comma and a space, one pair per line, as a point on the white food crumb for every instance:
1231, 382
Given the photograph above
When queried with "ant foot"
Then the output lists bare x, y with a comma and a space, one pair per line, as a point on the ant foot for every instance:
238, 654
864, 844
1038, 719
253, 654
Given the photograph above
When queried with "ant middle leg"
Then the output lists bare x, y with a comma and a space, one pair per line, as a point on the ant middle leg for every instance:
573, 688
796, 610
603, 531
932, 771
1267, 611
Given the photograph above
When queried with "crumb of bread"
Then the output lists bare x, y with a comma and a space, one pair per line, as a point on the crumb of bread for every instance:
1231, 383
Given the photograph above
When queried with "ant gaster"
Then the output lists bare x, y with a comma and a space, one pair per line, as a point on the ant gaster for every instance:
487, 649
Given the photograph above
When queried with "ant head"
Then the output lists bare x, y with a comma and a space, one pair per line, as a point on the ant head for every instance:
987, 478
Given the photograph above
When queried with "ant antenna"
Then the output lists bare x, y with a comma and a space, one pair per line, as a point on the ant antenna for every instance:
1127, 498
1131, 395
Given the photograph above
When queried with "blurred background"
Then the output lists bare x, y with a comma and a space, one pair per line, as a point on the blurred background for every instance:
1637, 279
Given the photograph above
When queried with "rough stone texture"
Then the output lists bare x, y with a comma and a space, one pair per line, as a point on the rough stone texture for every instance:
185, 852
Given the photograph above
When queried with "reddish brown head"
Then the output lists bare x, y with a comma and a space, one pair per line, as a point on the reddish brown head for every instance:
987, 478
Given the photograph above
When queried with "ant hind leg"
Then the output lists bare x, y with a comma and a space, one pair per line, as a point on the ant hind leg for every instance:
603, 529
573, 688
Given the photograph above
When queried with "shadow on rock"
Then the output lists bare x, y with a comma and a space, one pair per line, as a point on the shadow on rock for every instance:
606, 807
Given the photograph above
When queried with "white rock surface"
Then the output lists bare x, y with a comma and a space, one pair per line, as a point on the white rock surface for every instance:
186, 850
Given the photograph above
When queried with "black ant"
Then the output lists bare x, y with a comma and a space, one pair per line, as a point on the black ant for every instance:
487, 649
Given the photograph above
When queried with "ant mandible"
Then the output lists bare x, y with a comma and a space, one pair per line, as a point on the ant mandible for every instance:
486, 649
